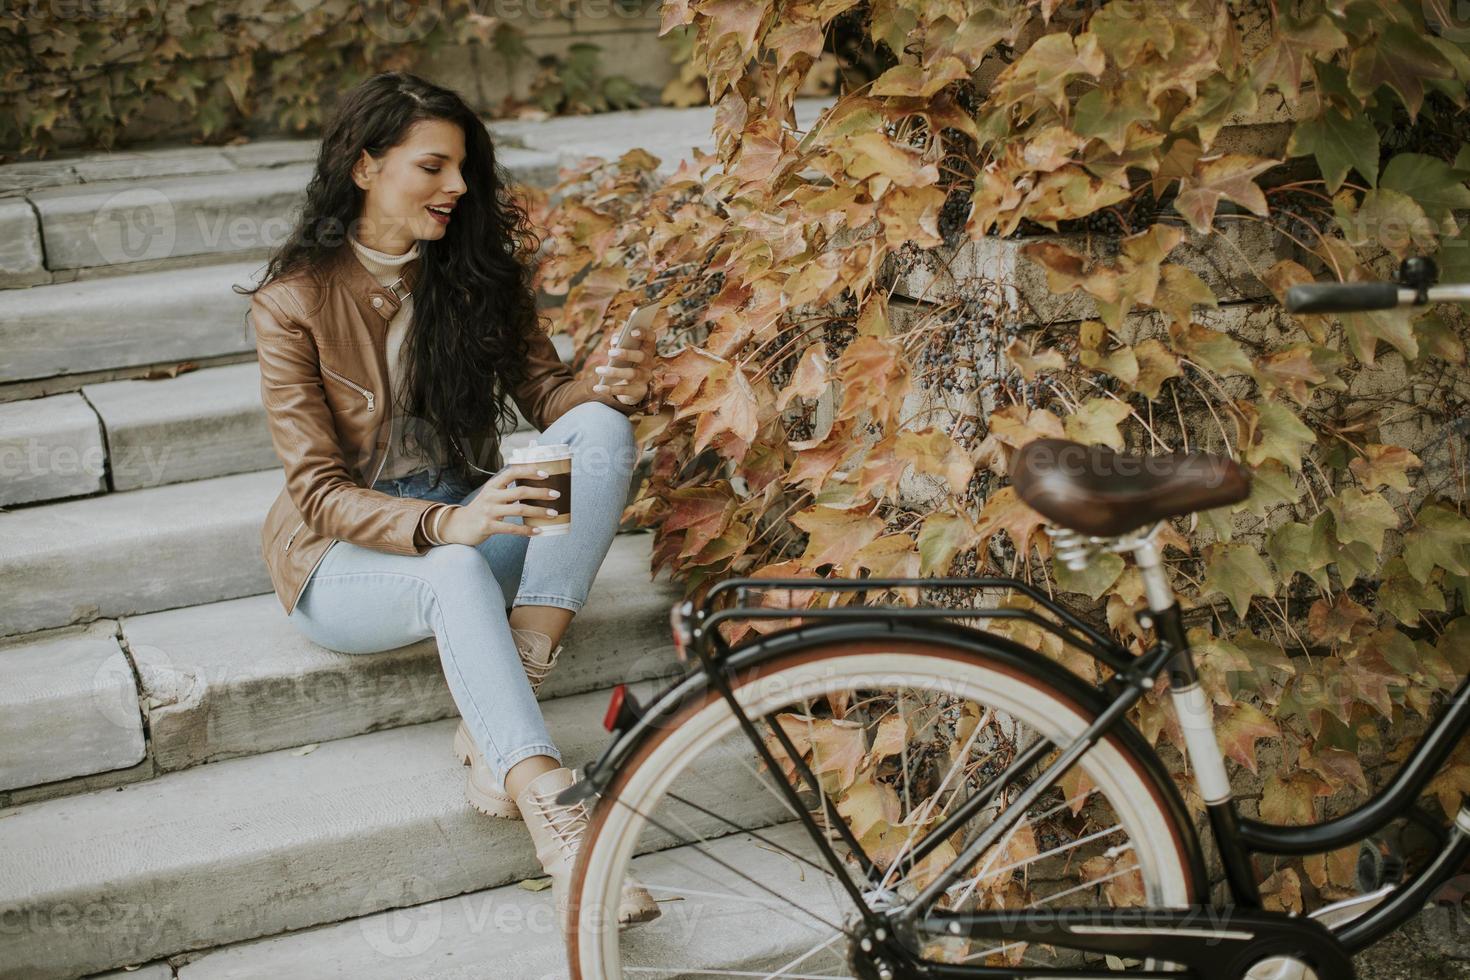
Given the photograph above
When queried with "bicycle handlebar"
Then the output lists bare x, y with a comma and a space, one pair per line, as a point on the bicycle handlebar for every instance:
1344, 297
1357, 297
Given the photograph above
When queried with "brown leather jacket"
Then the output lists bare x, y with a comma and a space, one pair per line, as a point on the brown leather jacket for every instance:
324, 384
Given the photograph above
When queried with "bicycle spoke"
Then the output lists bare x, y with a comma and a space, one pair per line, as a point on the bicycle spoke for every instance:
804, 957
704, 850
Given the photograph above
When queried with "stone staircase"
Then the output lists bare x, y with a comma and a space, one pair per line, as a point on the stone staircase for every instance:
181, 773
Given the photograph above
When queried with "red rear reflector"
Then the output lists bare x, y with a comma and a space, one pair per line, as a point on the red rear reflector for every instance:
614, 707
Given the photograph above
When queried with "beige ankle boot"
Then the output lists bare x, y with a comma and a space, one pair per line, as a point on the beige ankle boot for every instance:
557, 830
485, 793
537, 657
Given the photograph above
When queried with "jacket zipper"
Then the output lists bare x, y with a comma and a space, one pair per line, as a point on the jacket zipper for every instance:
371, 398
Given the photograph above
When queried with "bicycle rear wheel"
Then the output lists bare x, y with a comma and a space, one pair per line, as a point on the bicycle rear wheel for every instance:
900, 733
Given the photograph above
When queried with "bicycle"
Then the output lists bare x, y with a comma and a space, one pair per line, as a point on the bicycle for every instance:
1054, 844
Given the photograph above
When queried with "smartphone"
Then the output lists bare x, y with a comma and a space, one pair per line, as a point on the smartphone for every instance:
640, 319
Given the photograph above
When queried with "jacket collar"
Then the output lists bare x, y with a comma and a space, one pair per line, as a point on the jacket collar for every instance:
376, 303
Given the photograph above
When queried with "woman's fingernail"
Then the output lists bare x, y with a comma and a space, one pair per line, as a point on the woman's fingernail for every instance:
542, 473
637, 333
555, 494
535, 530
601, 369
599, 387
551, 512
614, 350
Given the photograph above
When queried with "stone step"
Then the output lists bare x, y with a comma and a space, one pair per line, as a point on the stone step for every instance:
257, 846
199, 424
456, 938
236, 678
123, 212
68, 706
50, 448
135, 552
146, 318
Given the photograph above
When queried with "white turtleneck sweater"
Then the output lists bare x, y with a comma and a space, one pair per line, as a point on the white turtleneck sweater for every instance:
411, 445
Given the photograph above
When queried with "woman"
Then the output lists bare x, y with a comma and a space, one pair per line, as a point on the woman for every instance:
393, 330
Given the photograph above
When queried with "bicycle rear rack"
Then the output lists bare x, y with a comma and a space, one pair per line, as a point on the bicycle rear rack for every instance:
701, 621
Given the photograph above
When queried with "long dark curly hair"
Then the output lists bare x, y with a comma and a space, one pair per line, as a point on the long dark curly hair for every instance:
474, 303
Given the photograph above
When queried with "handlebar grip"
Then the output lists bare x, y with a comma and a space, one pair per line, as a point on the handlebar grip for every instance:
1342, 297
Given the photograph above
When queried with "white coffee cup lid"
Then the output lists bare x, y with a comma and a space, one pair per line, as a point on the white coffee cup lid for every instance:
536, 454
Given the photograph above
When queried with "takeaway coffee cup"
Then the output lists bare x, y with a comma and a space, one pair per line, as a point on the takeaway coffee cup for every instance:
556, 460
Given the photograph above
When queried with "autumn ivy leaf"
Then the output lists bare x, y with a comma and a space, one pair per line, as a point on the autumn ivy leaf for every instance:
1339, 143
1047, 67
1238, 572
1106, 115
875, 376
1365, 330
726, 404
1440, 538
1271, 486
1291, 370
911, 214
1437, 339
1384, 466
1401, 59
1405, 598
1031, 362
1387, 218
1180, 290
921, 81
891, 556
702, 513
1362, 517
1288, 799
810, 377
1099, 575
1295, 548
1340, 621
1239, 732
941, 538
1354, 561
1430, 182
1156, 364
1096, 420
1287, 57
867, 804
835, 534
1270, 430
1004, 511
1212, 349
1232, 176
935, 453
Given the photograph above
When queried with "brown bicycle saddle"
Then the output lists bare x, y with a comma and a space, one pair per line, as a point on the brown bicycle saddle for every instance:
1096, 491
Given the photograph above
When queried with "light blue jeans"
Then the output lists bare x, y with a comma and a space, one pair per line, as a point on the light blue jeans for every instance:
361, 600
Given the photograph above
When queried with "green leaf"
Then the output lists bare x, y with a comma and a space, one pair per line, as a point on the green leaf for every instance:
1433, 184
1362, 517
1401, 59
941, 538
1405, 598
1355, 561
1340, 144
1365, 330
1279, 435
1439, 539
1237, 572
1101, 572
1301, 548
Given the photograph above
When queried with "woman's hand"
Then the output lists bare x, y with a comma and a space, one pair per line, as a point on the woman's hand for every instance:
629, 370
475, 520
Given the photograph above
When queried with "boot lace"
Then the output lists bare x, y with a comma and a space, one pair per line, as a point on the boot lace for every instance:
535, 658
566, 820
